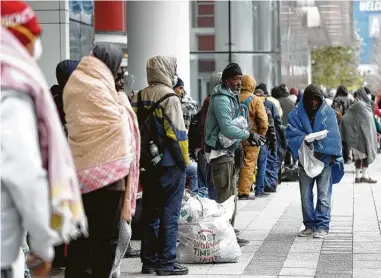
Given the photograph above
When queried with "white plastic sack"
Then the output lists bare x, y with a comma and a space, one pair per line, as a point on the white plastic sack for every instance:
211, 237
193, 208
312, 166
226, 141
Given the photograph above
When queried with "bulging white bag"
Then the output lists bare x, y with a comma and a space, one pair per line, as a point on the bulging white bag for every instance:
205, 233
312, 166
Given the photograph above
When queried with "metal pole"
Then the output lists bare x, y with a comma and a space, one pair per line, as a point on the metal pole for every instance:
229, 30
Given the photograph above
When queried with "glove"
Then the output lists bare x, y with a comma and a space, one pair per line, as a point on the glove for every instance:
256, 140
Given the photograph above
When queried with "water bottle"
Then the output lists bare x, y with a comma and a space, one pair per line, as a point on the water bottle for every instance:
154, 151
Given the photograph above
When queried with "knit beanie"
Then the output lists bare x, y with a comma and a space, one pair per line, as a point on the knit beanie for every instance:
19, 18
263, 87
231, 70
180, 83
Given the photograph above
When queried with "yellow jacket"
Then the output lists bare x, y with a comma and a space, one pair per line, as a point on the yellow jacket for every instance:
257, 112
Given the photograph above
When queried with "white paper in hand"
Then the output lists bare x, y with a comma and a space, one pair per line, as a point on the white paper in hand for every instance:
316, 136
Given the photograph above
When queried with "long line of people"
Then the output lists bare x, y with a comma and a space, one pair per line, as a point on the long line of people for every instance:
116, 147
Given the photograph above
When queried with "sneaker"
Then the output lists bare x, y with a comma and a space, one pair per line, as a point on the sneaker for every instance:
270, 189
242, 242
321, 233
261, 195
357, 180
131, 253
148, 270
178, 269
246, 197
367, 180
307, 232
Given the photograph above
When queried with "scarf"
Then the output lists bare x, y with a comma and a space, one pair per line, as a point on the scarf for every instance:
358, 129
299, 126
20, 72
103, 131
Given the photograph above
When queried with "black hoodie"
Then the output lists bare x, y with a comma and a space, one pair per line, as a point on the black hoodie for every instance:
63, 71
341, 102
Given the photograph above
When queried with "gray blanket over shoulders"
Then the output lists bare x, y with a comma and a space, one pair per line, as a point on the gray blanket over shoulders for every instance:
358, 130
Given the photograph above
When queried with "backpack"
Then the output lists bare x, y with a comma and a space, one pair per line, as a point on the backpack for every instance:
148, 130
244, 109
195, 131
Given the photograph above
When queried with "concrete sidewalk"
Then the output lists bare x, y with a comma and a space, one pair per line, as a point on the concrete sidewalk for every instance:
352, 248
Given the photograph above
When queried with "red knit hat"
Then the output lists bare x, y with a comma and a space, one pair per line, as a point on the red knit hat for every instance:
19, 18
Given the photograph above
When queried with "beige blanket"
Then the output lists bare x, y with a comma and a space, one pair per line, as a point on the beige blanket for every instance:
102, 133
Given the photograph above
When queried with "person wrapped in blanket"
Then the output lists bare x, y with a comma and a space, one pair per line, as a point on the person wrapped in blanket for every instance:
312, 115
104, 138
359, 132
44, 201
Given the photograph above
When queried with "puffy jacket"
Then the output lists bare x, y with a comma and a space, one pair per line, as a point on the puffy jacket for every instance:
171, 128
257, 111
223, 109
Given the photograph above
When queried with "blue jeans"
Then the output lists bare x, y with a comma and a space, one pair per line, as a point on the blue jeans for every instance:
261, 172
161, 203
203, 170
191, 173
319, 217
271, 177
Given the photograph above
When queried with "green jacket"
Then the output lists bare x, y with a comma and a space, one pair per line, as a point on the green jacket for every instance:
223, 109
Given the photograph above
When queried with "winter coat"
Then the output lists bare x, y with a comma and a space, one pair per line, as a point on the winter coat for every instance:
341, 102
257, 112
161, 72
223, 109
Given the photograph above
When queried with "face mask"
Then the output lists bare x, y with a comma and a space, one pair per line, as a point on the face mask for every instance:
37, 49
370, 97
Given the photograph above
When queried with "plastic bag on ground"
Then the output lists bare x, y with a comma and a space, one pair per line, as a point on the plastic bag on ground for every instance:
205, 233
226, 141
312, 166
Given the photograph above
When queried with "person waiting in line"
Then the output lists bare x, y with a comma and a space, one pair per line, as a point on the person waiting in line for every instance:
314, 115
271, 178
190, 109
32, 141
341, 104
163, 188
105, 141
223, 109
270, 102
359, 132
204, 165
63, 71
258, 124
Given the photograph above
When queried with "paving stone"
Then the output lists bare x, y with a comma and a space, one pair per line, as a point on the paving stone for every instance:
292, 271
367, 264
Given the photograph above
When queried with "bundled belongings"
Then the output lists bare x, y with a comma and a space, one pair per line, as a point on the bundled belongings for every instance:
205, 233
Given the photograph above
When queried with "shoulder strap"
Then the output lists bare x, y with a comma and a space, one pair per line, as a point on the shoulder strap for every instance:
248, 100
161, 100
